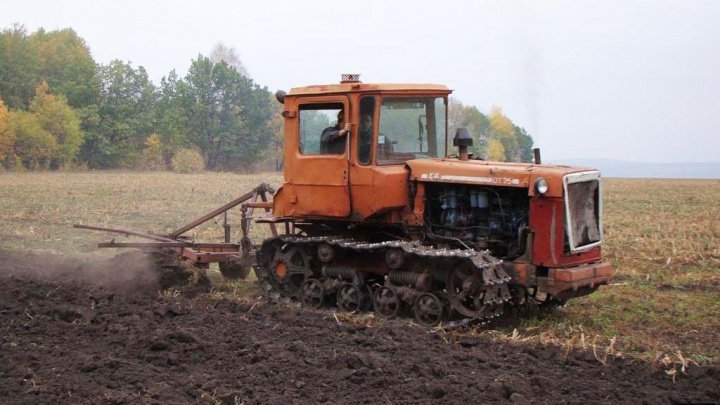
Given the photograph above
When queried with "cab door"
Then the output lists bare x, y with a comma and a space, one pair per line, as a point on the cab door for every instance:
361, 167
316, 182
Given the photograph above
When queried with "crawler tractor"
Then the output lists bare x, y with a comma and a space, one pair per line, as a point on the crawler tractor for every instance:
393, 221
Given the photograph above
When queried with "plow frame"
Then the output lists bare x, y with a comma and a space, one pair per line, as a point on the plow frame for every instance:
204, 253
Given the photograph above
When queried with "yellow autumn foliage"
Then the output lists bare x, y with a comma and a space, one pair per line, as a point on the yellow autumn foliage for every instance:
495, 151
7, 139
152, 155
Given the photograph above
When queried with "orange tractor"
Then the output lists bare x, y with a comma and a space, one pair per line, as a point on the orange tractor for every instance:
378, 214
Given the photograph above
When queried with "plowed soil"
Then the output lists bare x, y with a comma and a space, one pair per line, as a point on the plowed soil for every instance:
110, 338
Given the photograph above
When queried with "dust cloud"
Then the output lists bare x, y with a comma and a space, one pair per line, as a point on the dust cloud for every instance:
126, 272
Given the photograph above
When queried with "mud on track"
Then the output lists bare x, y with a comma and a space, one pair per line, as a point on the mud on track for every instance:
64, 340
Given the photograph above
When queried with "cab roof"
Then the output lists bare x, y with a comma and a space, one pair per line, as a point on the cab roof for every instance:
368, 87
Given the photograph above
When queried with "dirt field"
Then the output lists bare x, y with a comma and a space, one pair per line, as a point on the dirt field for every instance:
71, 340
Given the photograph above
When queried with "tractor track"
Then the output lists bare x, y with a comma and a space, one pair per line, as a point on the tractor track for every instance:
475, 292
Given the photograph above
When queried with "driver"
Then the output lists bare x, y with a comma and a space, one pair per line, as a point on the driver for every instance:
332, 140
365, 137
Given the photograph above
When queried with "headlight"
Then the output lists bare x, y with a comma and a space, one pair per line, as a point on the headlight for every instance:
541, 186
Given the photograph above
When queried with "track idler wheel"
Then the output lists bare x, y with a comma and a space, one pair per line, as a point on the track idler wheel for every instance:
288, 271
352, 297
313, 293
429, 309
386, 302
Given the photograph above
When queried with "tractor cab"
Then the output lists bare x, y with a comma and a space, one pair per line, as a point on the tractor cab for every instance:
357, 174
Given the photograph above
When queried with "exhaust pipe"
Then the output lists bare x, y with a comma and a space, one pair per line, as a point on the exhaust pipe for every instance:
536, 154
462, 140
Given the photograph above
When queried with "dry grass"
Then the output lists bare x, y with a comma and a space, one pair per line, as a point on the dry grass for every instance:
37, 210
662, 236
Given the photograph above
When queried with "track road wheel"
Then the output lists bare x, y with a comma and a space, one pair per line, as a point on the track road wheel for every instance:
464, 288
352, 297
428, 309
233, 270
386, 302
313, 293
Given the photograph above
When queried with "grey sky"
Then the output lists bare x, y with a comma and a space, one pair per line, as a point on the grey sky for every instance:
630, 80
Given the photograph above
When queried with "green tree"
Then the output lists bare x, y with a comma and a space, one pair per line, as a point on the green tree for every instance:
525, 143
34, 146
61, 121
125, 117
277, 125
172, 122
59, 57
19, 67
227, 115
64, 61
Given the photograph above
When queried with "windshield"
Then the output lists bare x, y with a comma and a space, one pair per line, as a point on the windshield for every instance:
411, 128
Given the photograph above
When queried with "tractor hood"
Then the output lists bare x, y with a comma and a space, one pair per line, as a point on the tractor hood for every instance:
492, 173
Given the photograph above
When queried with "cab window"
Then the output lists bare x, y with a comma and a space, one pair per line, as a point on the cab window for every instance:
411, 128
314, 119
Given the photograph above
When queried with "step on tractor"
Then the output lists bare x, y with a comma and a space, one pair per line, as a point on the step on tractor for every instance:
378, 212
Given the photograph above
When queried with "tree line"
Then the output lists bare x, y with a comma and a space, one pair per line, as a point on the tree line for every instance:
495, 136
60, 109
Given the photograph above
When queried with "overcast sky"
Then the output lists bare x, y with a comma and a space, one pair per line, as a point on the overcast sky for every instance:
628, 80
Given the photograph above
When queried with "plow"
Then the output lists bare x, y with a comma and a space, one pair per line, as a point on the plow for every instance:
234, 259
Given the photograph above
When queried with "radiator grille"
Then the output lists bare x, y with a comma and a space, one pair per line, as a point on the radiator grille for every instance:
582, 210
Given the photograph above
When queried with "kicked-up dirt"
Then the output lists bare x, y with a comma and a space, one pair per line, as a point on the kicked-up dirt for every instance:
110, 338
